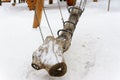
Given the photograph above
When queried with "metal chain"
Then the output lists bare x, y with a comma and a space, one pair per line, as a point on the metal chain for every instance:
41, 34
82, 4
48, 21
60, 11
46, 17
39, 27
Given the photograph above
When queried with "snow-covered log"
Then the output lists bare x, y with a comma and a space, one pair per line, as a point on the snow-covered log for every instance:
49, 56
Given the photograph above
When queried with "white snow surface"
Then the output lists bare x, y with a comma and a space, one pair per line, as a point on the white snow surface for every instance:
93, 55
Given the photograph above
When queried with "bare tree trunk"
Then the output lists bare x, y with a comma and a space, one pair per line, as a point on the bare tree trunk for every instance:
108, 5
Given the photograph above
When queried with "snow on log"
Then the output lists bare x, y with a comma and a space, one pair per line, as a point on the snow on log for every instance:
49, 56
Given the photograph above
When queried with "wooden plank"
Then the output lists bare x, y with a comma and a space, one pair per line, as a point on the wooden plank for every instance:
31, 4
38, 13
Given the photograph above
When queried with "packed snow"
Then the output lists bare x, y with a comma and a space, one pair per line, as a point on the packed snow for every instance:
93, 55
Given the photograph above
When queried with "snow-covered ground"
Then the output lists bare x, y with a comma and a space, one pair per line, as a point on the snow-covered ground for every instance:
93, 55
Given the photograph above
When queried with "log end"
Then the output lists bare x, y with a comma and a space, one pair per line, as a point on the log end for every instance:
58, 70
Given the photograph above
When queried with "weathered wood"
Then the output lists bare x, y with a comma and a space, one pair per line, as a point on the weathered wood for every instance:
71, 2
38, 10
69, 27
38, 13
49, 56
31, 4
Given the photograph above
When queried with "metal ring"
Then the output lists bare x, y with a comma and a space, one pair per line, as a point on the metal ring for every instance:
70, 22
64, 31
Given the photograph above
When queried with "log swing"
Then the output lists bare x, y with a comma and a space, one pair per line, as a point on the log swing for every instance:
49, 55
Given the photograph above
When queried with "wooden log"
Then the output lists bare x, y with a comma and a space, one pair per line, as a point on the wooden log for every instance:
38, 13
31, 4
49, 56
